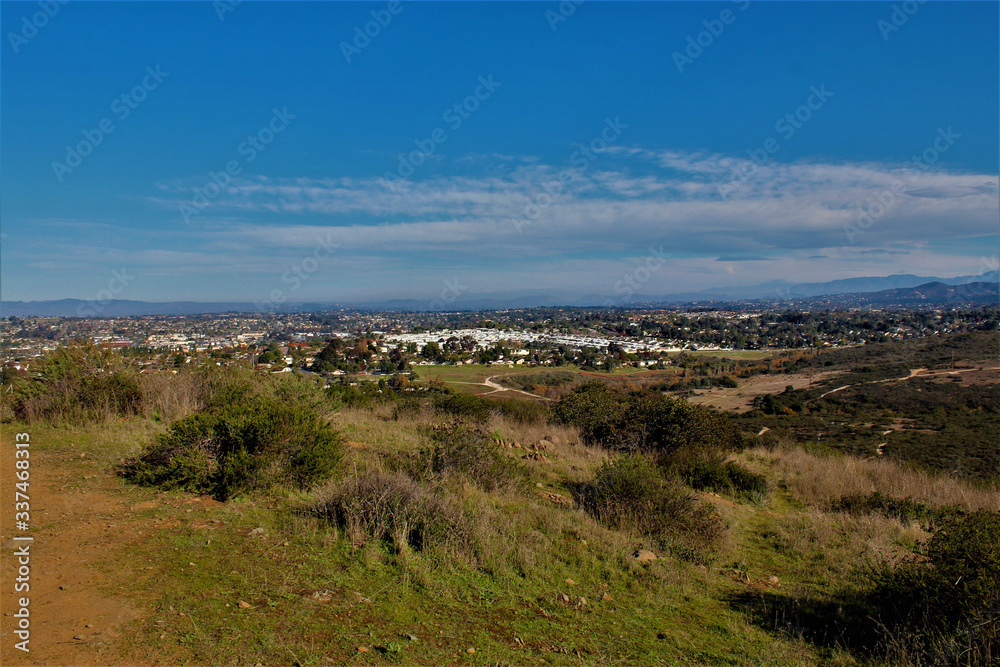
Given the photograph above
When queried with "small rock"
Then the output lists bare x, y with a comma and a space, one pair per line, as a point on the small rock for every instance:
607, 598
407, 635
256, 531
62, 588
774, 581
470, 650
88, 625
244, 605
643, 555
320, 596
539, 485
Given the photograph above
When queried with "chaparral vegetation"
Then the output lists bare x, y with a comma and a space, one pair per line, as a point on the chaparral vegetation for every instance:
297, 519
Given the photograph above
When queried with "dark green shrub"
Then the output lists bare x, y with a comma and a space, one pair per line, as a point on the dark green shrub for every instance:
632, 494
746, 482
596, 410
239, 449
525, 411
677, 432
183, 458
469, 451
300, 391
945, 604
716, 474
708, 475
463, 405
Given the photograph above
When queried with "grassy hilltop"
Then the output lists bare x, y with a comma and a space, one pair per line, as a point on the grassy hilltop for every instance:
220, 516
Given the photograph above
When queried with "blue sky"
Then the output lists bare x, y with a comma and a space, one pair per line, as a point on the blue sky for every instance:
498, 147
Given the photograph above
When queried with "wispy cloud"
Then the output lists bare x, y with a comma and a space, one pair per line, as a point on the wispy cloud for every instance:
639, 196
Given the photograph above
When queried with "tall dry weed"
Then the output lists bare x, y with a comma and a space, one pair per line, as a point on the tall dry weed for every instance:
822, 480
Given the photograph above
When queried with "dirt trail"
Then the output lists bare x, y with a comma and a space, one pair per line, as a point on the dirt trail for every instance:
497, 387
74, 620
914, 372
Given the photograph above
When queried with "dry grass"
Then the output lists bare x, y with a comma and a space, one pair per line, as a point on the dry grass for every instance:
879, 539
530, 434
374, 428
128, 438
567, 458
821, 480
170, 397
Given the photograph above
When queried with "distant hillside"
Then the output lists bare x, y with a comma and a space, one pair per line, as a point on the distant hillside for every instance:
900, 290
922, 296
122, 308
782, 289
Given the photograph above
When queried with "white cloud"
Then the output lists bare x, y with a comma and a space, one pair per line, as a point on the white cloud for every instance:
627, 198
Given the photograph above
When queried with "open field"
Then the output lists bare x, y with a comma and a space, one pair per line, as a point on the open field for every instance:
741, 398
474, 373
732, 354
482, 380
472, 378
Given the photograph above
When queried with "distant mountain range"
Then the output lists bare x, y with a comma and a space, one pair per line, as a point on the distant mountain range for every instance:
929, 294
784, 290
117, 308
897, 290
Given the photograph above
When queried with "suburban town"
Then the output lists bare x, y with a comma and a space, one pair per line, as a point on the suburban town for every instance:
533, 337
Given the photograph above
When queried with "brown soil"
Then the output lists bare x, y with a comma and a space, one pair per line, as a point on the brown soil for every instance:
983, 373
741, 398
76, 522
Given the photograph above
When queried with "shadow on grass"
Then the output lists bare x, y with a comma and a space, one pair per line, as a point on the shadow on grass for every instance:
836, 623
